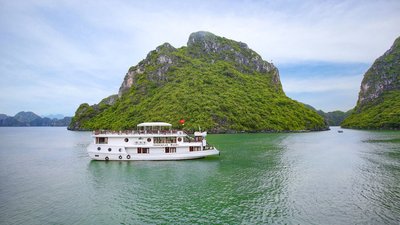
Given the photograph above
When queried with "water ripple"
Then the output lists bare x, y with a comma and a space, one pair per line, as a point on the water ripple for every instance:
305, 178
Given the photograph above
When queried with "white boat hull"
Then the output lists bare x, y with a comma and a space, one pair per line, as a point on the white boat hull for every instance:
152, 157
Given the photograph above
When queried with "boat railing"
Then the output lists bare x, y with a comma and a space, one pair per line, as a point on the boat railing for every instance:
129, 132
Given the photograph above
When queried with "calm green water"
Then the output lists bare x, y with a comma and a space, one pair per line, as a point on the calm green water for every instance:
305, 178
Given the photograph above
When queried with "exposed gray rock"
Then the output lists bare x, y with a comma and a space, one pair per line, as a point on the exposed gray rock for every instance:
202, 43
247, 60
110, 100
382, 76
163, 60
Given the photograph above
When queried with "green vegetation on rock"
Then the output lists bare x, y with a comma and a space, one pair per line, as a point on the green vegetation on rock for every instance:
378, 105
215, 83
334, 118
383, 113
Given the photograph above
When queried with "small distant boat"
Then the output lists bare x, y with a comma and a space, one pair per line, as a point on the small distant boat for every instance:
340, 131
151, 141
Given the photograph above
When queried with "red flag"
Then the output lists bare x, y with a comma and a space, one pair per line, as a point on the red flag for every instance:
182, 121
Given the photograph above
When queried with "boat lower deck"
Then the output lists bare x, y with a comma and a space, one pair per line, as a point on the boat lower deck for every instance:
153, 157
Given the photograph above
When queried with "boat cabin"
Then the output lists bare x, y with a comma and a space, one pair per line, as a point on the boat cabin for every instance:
153, 126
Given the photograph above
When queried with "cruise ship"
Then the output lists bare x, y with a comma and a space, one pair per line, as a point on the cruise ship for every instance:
151, 141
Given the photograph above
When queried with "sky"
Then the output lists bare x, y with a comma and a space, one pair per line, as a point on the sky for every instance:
56, 55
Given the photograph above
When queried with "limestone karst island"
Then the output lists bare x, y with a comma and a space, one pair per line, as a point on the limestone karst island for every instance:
378, 105
215, 83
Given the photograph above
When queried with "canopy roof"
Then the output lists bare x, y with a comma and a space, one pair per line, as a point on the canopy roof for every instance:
154, 124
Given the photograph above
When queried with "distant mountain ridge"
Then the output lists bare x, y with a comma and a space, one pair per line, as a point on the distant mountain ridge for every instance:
54, 116
215, 83
334, 118
26, 119
378, 105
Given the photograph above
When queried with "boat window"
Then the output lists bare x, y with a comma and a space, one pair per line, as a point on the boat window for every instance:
194, 148
162, 140
198, 138
126, 140
170, 149
101, 140
143, 150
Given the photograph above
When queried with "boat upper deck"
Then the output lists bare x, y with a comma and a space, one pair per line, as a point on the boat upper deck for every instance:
148, 129
139, 133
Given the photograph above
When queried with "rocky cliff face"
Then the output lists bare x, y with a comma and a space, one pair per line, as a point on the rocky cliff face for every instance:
161, 57
378, 105
215, 83
383, 76
219, 48
202, 45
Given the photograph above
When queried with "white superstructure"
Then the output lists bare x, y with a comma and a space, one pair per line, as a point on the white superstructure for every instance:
152, 141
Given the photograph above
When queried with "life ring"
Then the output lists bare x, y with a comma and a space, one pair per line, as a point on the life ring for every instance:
128, 156
106, 158
120, 157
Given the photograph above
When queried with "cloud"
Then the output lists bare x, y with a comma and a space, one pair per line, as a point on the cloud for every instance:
343, 100
325, 86
319, 84
284, 31
325, 93
82, 50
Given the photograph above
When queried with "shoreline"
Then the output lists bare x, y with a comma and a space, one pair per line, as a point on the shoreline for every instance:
233, 131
